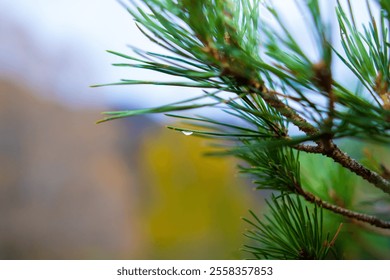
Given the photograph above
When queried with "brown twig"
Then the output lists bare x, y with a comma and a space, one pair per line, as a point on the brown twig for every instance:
271, 99
308, 148
342, 211
332, 151
385, 172
346, 161
331, 243
325, 146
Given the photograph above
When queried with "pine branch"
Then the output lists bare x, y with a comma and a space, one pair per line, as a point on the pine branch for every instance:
215, 44
343, 211
277, 169
290, 231
333, 151
329, 149
308, 148
346, 161
271, 98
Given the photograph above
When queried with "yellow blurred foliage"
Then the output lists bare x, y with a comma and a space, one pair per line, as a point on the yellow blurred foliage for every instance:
193, 206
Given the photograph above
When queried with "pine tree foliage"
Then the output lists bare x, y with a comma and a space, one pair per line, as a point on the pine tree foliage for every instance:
250, 64
292, 232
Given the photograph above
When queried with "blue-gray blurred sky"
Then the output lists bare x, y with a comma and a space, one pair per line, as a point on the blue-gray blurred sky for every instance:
61, 45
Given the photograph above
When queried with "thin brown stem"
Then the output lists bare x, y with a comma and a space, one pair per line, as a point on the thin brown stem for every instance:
385, 172
271, 99
331, 243
327, 147
346, 161
332, 151
308, 148
324, 140
372, 220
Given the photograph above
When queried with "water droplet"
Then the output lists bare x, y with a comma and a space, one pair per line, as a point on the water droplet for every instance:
187, 133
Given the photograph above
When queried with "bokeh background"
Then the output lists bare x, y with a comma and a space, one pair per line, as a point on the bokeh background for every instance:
128, 189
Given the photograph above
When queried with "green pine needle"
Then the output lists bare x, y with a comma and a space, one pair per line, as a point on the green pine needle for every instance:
291, 232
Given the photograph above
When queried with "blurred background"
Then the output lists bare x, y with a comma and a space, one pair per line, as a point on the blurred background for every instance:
128, 189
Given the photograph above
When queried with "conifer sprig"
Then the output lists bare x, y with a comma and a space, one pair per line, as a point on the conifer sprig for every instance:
257, 72
291, 231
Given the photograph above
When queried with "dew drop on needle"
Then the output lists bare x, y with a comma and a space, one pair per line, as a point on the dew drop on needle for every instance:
187, 133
